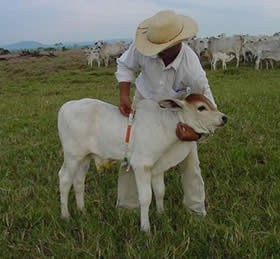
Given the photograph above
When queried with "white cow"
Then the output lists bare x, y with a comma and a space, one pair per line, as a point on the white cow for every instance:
249, 40
269, 56
226, 45
92, 128
258, 48
112, 50
198, 45
216, 56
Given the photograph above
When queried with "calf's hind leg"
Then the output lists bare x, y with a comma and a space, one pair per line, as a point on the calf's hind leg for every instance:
66, 176
79, 182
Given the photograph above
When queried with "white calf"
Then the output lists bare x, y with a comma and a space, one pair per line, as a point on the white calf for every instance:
92, 128
216, 56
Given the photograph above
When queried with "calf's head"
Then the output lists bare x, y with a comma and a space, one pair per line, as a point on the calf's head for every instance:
196, 111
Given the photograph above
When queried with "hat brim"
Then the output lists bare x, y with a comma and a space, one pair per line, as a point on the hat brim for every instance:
148, 48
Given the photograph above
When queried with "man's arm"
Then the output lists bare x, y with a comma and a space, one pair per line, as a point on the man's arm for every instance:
127, 64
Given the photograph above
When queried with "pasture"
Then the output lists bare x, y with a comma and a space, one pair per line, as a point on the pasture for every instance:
240, 167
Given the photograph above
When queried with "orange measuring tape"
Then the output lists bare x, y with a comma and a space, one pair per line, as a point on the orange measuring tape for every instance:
127, 136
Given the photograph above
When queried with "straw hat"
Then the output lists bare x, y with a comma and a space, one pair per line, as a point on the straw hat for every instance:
163, 30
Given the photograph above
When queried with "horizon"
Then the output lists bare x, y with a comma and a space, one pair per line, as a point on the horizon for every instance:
19, 45
68, 42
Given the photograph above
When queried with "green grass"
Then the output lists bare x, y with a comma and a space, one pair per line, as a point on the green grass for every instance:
240, 166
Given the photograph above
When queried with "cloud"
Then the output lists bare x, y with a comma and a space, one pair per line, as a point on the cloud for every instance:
272, 8
88, 20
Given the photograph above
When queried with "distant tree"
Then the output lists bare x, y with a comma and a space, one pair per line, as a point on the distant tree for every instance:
4, 51
58, 45
24, 52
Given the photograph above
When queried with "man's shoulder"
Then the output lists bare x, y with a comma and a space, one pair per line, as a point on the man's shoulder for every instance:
186, 47
189, 52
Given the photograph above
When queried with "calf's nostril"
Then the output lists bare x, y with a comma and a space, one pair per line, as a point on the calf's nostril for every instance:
225, 119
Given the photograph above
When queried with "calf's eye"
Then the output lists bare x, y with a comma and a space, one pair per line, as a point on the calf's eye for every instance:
201, 108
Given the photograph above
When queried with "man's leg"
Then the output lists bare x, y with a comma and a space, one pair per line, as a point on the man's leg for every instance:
193, 185
127, 190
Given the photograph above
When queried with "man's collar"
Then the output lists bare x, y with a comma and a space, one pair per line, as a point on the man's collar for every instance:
176, 62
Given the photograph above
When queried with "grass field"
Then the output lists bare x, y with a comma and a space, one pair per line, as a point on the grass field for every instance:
240, 166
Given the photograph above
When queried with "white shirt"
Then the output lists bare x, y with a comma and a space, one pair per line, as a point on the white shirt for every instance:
156, 81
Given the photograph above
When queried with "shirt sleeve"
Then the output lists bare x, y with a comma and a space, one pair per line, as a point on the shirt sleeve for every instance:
200, 81
128, 64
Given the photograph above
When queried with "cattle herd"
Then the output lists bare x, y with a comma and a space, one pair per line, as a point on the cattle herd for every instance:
251, 49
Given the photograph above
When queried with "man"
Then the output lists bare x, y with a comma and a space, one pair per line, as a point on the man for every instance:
169, 69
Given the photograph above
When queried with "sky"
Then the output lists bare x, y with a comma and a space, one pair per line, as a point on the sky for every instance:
53, 21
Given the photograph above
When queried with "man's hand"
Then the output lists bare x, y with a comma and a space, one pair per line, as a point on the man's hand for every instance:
125, 105
125, 102
186, 133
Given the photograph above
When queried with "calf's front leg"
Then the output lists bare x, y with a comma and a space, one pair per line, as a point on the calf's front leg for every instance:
159, 190
143, 182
